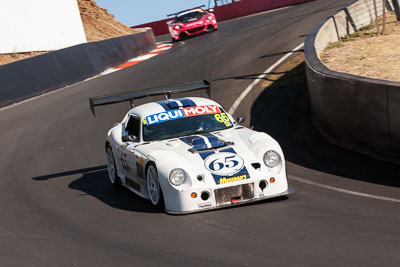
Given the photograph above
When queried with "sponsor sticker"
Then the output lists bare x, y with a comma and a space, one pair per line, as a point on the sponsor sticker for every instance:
127, 146
142, 160
205, 205
200, 110
180, 113
124, 163
226, 180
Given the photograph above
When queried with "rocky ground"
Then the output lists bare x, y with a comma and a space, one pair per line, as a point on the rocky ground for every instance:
99, 24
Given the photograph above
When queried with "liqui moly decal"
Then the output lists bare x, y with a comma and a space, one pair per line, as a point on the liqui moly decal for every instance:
164, 116
201, 110
180, 113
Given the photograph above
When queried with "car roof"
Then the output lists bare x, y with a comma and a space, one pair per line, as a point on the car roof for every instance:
165, 105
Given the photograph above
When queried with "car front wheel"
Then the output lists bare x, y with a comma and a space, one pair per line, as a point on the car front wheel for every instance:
153, 187
111, 167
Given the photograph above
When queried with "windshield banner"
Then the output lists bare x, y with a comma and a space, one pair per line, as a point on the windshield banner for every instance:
181, 113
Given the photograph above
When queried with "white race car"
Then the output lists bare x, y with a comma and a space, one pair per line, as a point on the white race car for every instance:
188, 155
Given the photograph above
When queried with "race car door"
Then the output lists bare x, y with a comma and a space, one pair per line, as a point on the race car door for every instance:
128, 157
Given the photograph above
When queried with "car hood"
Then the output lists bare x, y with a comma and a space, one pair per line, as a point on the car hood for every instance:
218, 156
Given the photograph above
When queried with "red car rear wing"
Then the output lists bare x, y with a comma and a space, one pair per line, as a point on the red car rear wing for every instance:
177, 13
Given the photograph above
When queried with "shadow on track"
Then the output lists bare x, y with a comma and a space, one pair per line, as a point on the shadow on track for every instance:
283, 111
95, 182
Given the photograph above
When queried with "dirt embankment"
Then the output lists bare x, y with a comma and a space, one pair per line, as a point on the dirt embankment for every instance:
366, 53
98, 23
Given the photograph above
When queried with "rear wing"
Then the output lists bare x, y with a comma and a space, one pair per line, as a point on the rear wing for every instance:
177, 13
130, 96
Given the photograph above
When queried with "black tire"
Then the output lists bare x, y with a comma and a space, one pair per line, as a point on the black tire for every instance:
211, 28
153, 187
112, 167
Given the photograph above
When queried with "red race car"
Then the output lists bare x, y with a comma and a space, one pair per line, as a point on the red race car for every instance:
191, 22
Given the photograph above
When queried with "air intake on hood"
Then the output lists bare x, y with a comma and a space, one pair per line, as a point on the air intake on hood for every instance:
192, 150
203, 142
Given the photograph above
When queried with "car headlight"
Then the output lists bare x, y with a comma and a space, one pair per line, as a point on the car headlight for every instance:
177, 177
271, 158
178, 27
209, 18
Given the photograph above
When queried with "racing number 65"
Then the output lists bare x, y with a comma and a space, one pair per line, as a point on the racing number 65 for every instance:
218, 164
223, 118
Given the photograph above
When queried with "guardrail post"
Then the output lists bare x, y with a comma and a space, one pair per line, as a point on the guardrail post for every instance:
396, 8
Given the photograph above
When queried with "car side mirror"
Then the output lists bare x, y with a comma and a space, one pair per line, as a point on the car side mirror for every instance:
211, 10
241, 119
129, 138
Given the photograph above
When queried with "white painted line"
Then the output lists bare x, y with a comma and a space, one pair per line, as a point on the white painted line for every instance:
164, 46
109, 71
259, 78
301, 180
161, 47
144, 57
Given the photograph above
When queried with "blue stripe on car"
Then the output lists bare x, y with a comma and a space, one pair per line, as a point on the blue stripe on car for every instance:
214, 140
186, 102
204, 155
172, 104
229, 149
198, 142
164, 105
195, 141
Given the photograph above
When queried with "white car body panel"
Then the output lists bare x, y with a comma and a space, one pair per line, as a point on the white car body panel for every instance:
239, 163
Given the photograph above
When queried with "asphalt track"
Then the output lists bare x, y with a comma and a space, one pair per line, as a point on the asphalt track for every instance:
58, 209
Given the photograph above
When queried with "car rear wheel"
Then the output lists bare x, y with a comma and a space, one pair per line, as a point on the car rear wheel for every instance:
112, 168
153, 187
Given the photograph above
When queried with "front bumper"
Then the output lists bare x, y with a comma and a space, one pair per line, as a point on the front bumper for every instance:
179, 34
287, 192
226, 195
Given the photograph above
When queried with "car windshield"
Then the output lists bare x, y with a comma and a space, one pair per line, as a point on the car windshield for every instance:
184, 126
190, 17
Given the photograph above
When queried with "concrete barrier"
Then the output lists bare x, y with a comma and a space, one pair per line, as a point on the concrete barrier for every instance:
44, 25
354, 112
37, 75
229, 11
